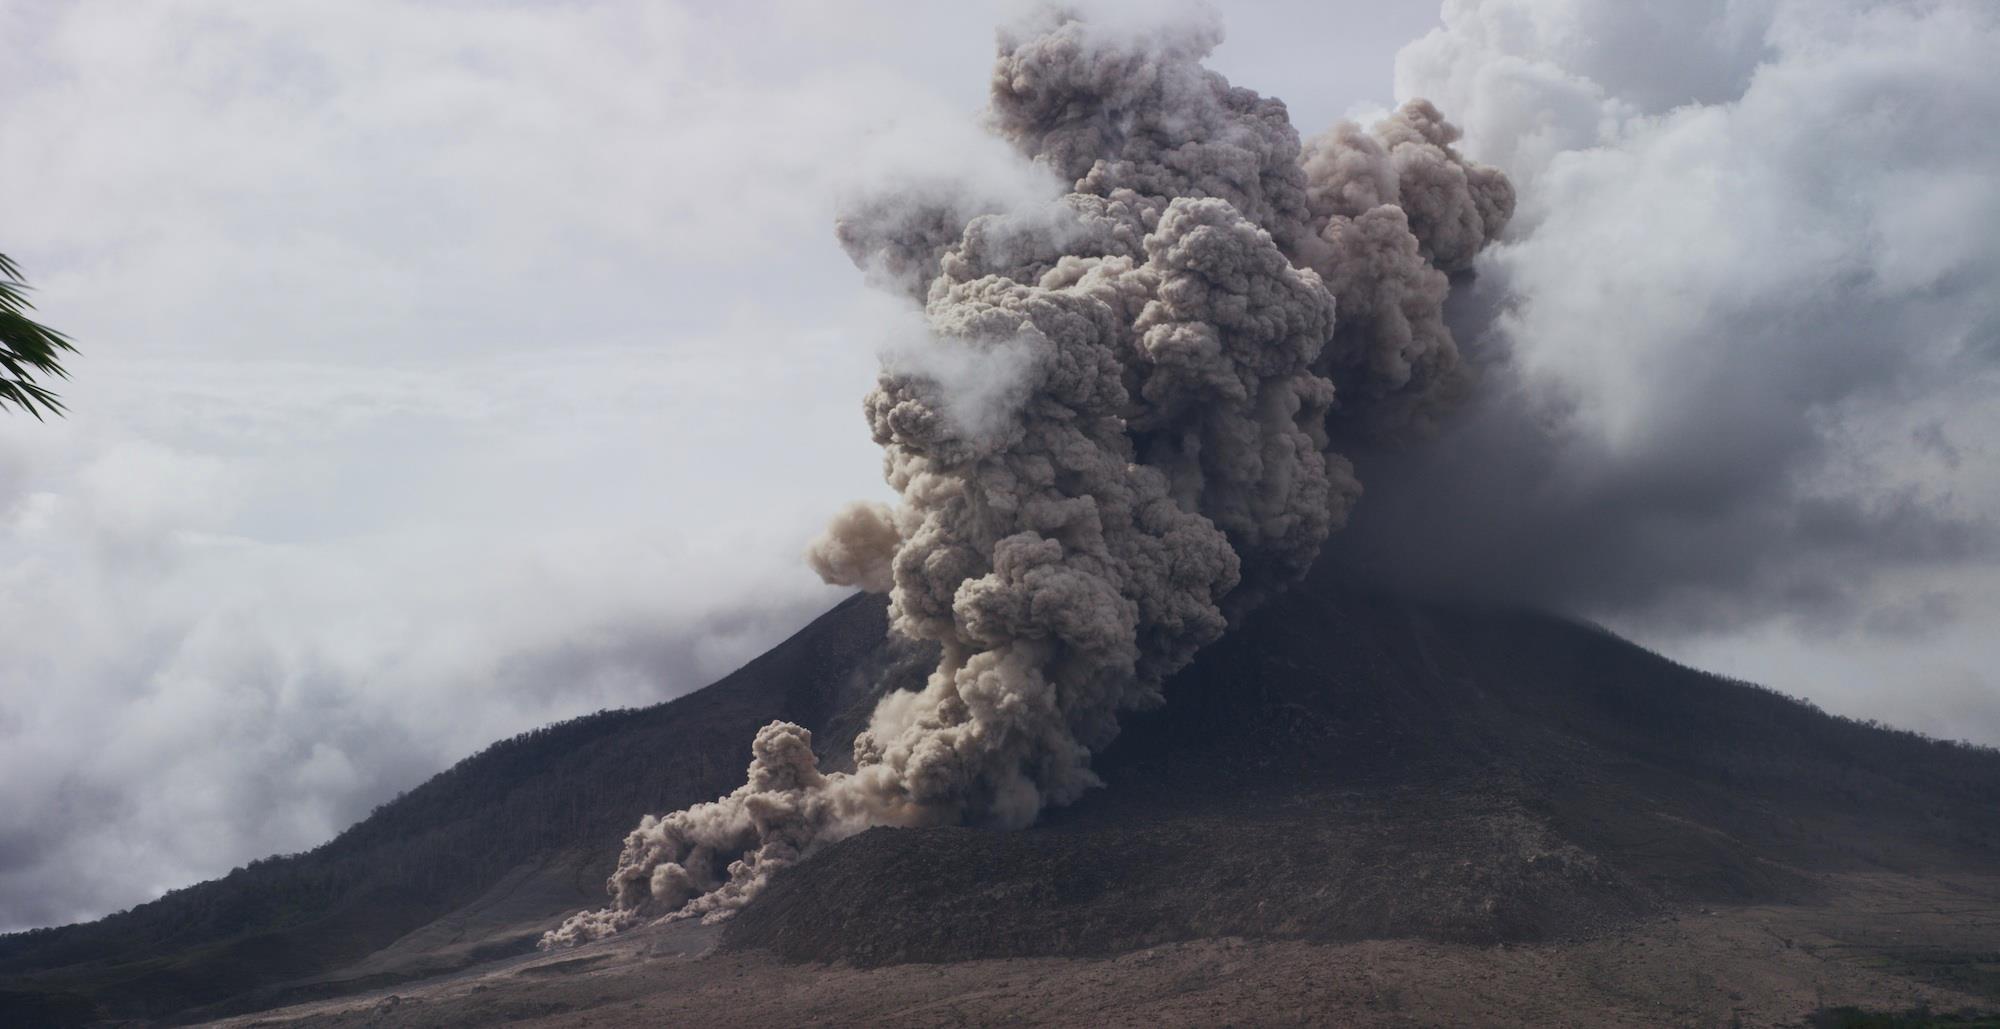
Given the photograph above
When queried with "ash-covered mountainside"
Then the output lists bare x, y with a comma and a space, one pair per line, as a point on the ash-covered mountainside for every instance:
1347, 765
1350, 765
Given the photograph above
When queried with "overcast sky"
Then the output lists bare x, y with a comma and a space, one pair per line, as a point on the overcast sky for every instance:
449, 369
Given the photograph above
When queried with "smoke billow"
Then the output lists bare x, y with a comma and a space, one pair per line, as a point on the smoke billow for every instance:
1738, 351
857, 548
1185, 337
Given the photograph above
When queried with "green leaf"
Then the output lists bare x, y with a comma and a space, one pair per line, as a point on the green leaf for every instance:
28, 349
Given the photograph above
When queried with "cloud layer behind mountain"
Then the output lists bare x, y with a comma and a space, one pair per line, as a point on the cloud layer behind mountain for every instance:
1740, 346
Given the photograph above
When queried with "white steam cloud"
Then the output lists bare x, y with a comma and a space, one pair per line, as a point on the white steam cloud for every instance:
1740, 348
1120, 430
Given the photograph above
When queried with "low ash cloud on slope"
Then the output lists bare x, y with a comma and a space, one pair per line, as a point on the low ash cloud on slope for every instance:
1123, 427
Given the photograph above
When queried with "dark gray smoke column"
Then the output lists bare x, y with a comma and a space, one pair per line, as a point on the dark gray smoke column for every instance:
1155, 458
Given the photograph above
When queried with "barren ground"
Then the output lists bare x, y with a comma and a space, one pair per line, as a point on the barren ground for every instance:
1881, 941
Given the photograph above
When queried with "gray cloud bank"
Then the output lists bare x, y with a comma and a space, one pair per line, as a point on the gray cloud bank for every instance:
1738, 352
187, 689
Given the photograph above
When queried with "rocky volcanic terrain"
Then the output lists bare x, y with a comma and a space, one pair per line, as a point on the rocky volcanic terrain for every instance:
1884, 943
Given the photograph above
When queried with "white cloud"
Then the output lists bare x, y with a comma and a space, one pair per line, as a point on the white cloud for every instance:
447, 370
1746, 341
222, 652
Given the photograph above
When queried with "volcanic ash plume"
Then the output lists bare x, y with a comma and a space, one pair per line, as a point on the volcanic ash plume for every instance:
1160, 459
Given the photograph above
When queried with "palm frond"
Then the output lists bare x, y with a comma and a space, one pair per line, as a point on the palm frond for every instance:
28, 349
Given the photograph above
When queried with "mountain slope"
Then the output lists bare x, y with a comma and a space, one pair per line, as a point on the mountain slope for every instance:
1346, 765
550, 807
1349, 766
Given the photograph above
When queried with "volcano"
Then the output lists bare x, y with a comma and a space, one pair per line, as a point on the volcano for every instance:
1349, 771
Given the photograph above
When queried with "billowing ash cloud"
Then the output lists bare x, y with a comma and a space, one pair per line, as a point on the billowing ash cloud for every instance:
1740, 347
1160, 456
